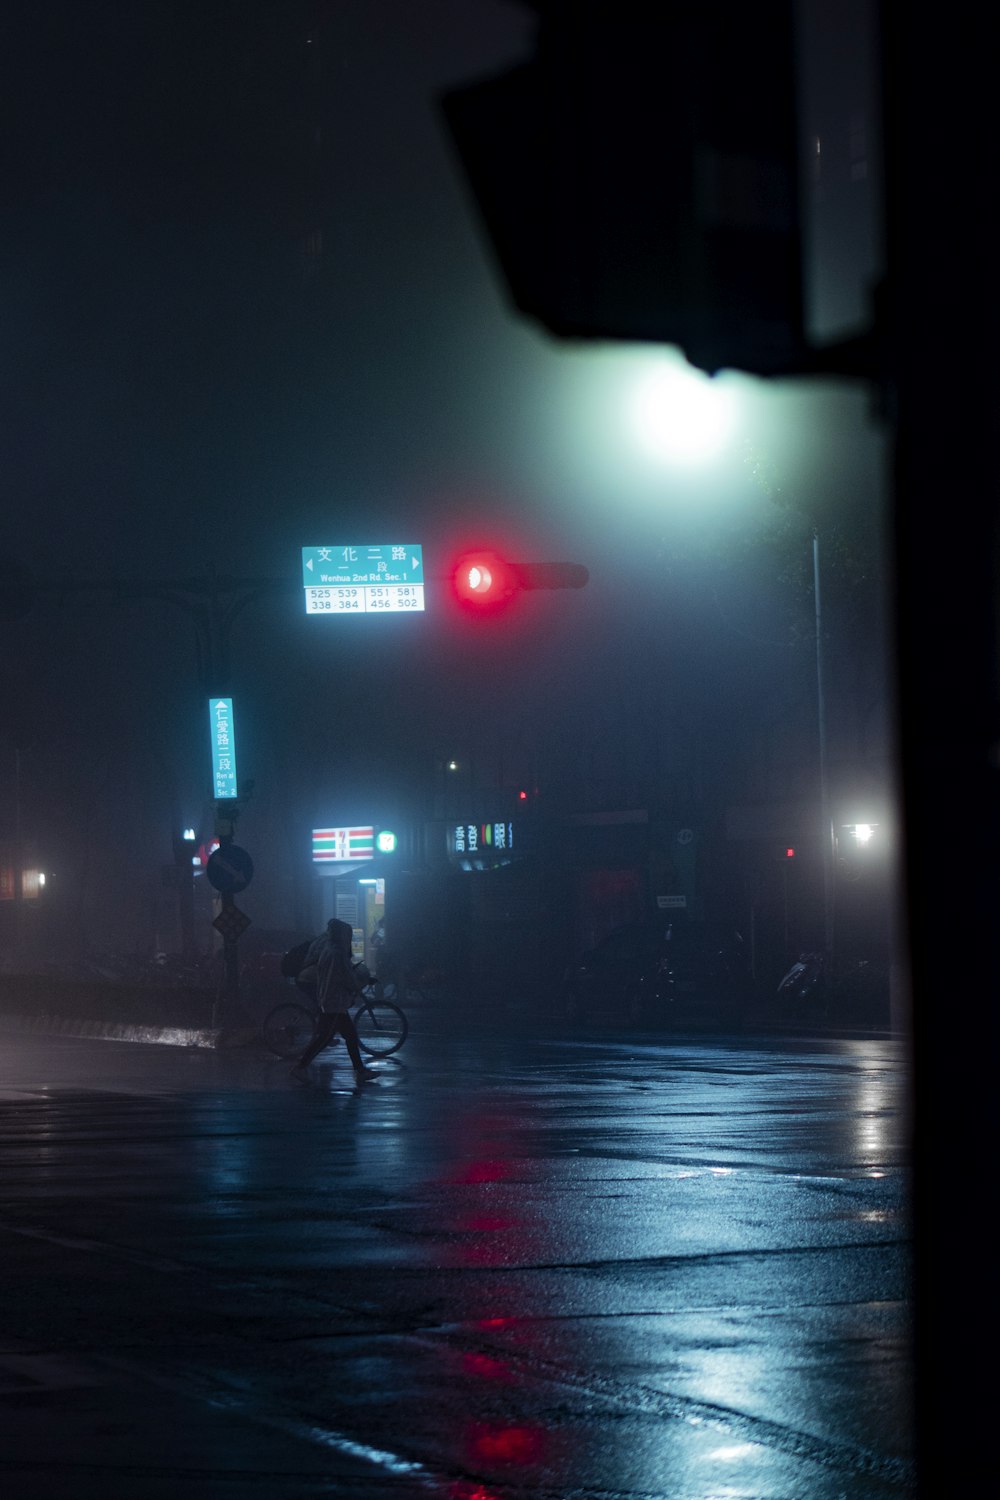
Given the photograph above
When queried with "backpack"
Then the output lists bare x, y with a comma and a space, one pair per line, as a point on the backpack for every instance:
293, 962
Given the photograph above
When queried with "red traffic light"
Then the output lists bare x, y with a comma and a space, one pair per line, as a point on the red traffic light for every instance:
483, 579
479, 578
789, 852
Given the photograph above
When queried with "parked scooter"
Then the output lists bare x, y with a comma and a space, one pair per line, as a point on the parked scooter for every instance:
805, 980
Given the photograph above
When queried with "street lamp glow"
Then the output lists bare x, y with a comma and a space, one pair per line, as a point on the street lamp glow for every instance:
681, 415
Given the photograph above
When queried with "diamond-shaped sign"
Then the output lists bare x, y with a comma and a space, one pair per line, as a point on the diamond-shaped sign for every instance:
232, 923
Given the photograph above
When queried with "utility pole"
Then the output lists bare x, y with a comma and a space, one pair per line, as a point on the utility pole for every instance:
826, 820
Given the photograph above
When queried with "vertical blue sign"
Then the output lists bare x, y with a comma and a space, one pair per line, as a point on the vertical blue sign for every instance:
220, 713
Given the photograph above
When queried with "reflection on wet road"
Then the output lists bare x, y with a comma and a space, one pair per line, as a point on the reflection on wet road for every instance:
547, 1268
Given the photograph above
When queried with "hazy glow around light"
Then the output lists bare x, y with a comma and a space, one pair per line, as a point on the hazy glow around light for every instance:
681, 415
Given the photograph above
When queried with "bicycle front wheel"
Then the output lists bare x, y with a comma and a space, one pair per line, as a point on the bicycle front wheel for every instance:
288, 1029
382, 1027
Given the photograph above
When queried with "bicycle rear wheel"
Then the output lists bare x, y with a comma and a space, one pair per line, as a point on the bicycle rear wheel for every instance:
382, 1027
288, 1029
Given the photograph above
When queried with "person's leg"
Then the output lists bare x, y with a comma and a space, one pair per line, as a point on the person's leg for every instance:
348, 1030
326, 1028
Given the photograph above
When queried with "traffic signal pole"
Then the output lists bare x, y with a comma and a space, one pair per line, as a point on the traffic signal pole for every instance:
826, 820
550, 575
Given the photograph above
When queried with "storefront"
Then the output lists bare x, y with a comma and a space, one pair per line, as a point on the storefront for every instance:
498, 906
353, 865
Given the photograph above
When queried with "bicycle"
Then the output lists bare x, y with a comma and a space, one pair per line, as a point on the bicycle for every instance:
290, 1026
860, 990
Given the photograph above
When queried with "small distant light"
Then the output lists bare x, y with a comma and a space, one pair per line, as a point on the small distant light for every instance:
189, 835
41, 877
789, 852
863, 832
385, 841
453, 765
522, 796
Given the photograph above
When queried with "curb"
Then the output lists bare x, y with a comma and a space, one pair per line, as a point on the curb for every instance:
118, 1031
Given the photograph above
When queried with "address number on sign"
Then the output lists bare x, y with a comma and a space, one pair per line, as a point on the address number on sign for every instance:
392, 598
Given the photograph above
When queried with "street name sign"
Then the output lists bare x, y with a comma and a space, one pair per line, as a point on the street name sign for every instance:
220, 714
376, 578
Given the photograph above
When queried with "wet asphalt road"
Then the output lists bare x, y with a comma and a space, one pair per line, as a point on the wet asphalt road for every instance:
552, 1268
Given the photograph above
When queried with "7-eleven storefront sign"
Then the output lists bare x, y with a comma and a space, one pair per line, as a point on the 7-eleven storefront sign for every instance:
342, 845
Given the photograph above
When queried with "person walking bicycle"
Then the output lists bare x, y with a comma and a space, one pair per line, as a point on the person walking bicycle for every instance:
328, 966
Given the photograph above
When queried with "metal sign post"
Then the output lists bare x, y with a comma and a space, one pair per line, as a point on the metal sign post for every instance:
230, 870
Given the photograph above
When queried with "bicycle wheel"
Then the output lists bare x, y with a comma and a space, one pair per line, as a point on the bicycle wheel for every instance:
382, 1027
288, 1029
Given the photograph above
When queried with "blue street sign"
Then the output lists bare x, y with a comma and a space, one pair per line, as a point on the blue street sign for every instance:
375, 578
387, 562
220, 713
230, 869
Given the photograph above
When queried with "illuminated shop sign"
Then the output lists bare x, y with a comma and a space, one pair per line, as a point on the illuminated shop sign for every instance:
342, 845
482, 838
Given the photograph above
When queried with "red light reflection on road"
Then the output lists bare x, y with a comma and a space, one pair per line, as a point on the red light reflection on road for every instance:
483, 1171
488, 1443
488, 1221
487, 1368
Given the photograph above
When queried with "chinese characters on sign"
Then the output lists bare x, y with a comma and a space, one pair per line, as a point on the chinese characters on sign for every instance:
383, 578
482, 838
220, 712
331, 845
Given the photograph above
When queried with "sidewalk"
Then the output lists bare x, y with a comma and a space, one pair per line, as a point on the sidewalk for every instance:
126, 1013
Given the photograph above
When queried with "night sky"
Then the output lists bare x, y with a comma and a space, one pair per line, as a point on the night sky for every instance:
247, 307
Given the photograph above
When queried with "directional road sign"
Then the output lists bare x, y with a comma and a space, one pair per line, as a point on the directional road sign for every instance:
373, 578
231, 923
230, 869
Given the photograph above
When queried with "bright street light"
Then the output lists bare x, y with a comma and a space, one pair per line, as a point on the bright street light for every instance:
681, 415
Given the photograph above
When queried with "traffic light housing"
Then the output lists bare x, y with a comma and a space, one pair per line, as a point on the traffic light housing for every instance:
638, 177
484, 580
